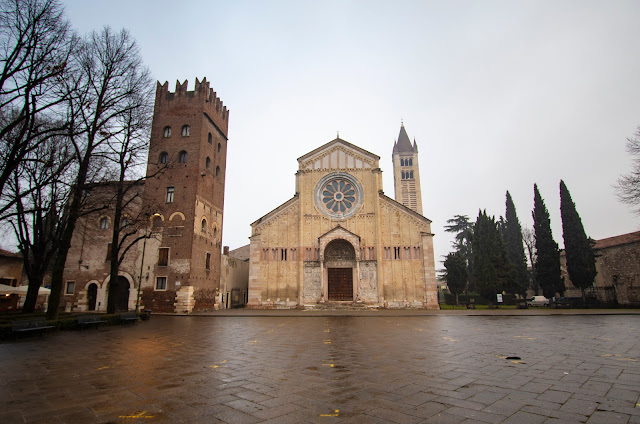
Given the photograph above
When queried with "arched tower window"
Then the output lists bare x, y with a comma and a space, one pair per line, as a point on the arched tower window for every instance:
124, 223
219, 147
410, 161
182, 157
208, 163
186, 130
203, 225
164, 157
104, 223
217, 171
210, 139
166, 132
411, 175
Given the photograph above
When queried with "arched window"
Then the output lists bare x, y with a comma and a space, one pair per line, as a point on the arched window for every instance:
186, 130
411, 175
215, 232
210, 139
217, 171
104, 223
208, 163
125, 222
157, 221
203, 225
219, 147
403, 175
164, 157
401, 162
182, 157
166, 132
410, 161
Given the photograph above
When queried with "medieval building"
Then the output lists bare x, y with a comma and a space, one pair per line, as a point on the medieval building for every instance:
341, 240
178, 268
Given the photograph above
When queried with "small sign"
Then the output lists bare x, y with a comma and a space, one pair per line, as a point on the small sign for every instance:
499, 295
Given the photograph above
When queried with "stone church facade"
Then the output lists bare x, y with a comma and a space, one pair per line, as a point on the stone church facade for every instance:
341, 240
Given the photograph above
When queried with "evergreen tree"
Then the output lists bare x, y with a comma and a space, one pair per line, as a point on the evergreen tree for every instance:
493, 271
547, 264
463, 229
456, 273
512, 236
581, 260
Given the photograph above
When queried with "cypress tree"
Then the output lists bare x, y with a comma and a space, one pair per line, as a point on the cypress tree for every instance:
492, 268
581, 259
547, 264
457, 275
512, 236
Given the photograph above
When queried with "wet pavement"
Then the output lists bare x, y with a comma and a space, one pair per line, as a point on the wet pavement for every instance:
329, 369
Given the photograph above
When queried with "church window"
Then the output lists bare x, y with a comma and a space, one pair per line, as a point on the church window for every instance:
372, 254
210, 139
396, 253
163, 256
203, 225
186, 130
294, 254
219, 147
407, 252
402, 175
217, 171
166, 132
265, 254
104, 223
207, 163
161, 283
164, 157
411, 175
207, 263
170, 193
416, 252
182, 157
283, 254
410, 161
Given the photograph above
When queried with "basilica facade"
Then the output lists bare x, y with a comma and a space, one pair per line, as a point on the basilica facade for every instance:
340, 240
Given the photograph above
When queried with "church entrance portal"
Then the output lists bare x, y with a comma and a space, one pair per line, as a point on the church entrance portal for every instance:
340, 284
122, 293
339, 260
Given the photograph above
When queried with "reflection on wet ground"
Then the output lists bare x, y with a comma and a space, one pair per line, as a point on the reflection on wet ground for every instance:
329, 369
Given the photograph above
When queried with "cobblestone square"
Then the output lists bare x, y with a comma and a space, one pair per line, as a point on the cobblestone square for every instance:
347, 369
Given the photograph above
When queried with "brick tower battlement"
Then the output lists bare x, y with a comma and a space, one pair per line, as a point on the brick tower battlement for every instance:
202, 93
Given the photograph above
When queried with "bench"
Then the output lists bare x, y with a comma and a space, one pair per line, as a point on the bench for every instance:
25, 326
471, 305
88, 320
127, 317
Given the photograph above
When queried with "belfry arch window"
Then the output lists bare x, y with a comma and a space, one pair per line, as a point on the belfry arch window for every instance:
166, 133
164, 157
186, 130
203, 225
207, 163
182, 157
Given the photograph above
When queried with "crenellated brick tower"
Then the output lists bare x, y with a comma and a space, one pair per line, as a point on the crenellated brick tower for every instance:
189, 140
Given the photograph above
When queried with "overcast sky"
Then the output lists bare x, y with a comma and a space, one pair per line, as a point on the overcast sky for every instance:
499, 95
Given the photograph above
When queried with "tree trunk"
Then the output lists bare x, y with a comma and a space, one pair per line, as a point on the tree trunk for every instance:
32, 294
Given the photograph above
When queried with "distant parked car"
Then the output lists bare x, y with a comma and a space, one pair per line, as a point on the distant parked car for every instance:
538, 301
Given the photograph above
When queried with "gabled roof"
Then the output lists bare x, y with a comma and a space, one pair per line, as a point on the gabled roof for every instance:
336, 228
276, 210
404, 208
338, 141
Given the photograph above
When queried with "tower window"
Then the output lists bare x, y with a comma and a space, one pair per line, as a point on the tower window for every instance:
217, 171
182, 157
166, 132
163, 256
104, 223
208, 163
203, 226
186, 131
210, 139
164, 157
410, 161
170, 193
125, 222
411, 175
161, 283
207, 264
219, 147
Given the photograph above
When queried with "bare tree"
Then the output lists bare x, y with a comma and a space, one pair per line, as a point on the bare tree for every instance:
628, 185
103, 90
528, 236
35, 46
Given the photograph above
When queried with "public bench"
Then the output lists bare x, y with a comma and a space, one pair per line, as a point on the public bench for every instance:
127, 317
89, 320
26, 326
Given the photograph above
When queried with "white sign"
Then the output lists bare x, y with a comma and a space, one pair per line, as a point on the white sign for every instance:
499, 295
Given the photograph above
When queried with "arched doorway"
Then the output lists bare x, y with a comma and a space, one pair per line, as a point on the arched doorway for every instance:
339, 259
121, 288
92, 296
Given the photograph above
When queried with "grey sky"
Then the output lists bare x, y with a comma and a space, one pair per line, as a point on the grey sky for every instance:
498, 94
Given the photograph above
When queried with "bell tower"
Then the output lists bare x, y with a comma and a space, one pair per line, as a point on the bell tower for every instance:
406, 172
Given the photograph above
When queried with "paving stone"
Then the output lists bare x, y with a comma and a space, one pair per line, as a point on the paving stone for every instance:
576, 406
554, 396
603, 417
525, 418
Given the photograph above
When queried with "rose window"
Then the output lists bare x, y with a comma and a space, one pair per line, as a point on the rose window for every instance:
338, 195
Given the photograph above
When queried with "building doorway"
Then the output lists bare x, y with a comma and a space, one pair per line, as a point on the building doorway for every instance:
340, 284
122, 294
340, 261
92, 296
